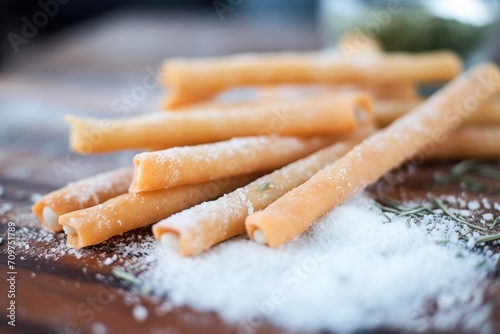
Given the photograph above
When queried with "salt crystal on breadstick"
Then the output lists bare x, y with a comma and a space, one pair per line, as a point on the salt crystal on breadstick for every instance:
195, 164
331, 115
199, 228
197, 79
81, 194
130, 211
426, 125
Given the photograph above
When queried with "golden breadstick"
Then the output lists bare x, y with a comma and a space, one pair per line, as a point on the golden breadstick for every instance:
386, 111
197, 79
195, 164
415, 133
199, 228
130, 211
470, 141
81, 194
264, 95
385, 92
319, 116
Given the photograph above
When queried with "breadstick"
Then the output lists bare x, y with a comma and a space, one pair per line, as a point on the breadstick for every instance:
478, 142
424, 126
81, 194
130, 211
264, 95
199, 228
195, 164
319, 116
386, 111
197, 79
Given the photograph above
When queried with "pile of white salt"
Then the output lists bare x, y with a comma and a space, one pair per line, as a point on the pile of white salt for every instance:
353, 270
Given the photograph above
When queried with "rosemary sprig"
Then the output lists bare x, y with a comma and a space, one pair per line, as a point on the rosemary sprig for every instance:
126, 276
481, 263
388, 209
413, 214
389, 220
487, 238
420, 209
489, 173
472, 183
495, 222
390, 203
450, 214
463, 171
445, 209
264, 186
131, 278
400, 210
458, 170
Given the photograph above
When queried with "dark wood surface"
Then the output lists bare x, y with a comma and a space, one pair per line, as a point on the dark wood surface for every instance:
82, 71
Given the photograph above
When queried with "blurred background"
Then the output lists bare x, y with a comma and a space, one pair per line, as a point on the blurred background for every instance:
88, 52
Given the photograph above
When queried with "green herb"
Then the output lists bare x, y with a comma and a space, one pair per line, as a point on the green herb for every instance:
413, 211
487, 238
413, 214
489, 173
463, 172
464, 167
450, 214
481, 263
400, 210
472, 184
497, 220
131, 277
393, 204
417, 29
264, 186
388, 209
126, 276
389, 220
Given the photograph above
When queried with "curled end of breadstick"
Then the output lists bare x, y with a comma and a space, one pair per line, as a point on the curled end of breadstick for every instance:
259, 237
47, 216
69, 230
255, 230
271, 227
363, 111
73, 237
51, 219
170, 240
80, 128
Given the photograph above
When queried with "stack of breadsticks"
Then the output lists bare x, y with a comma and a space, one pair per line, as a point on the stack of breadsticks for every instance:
271, 166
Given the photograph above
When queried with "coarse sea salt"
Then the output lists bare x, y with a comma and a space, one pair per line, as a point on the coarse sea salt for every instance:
140, 313
488, 216
98, 328
473, 205
351, 271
